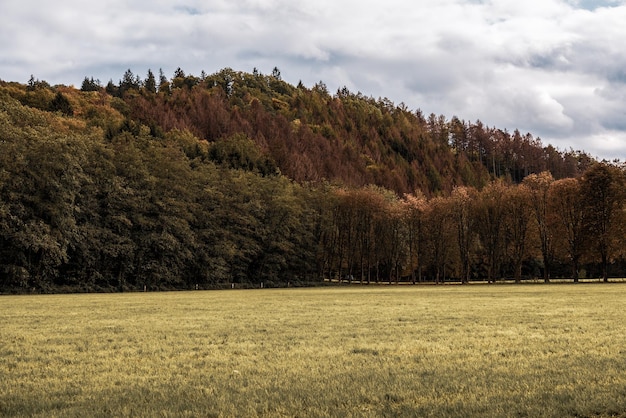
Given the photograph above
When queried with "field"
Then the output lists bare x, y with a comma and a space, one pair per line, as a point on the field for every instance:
477, 350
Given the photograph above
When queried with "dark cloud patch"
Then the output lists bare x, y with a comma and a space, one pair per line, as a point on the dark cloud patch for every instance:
593, 4
188, 10
617, 76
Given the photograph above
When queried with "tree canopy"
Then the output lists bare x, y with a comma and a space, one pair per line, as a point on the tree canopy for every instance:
237, 178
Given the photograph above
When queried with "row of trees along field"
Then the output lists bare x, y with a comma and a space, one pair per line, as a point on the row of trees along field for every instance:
243, 178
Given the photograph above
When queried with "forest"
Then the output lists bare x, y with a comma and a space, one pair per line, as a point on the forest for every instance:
242, 179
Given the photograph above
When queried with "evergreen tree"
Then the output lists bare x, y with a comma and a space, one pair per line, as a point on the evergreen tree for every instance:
150, 83
129, 82
89, 84
35, 84
179, 73
164, 84
112, 89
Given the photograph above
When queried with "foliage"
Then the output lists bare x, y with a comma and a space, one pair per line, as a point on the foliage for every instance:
349, 137
603, 189
243, 178
61, 104
89, 84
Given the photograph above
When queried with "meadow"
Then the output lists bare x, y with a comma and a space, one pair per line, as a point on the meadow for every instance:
364, 351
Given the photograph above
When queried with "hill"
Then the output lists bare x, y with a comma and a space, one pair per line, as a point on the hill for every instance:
311, 135
243, 178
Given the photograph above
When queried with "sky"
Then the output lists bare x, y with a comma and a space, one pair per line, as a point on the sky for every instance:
552, 68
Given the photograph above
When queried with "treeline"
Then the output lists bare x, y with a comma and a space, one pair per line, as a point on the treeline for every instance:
104, 191
568, 228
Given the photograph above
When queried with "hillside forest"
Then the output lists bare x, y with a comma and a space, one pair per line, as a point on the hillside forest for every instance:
242, 179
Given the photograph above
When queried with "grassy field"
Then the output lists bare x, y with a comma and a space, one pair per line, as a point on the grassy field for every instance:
500, 351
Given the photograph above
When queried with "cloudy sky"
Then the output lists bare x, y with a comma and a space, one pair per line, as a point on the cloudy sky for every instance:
554, 68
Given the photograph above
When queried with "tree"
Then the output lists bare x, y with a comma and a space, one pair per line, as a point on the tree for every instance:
463, 215
61, 104
36, 84
440, 235
164, 84
518, 215
112, 89
539, 186
397, 237
149, 83
181, 80
276, 73
179, 73
414, 208
567, 203
280, 217
491, 217
129, 82
603, 191
89, 84
367, 205
388, 233
240, 152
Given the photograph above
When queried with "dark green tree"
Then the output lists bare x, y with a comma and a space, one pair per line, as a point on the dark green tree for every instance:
89, 84
60, 103
150, 83
129, 82
112, 89
35, 84
240, 152
179, 73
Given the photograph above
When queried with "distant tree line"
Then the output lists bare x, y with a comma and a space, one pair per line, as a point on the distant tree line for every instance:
243, 178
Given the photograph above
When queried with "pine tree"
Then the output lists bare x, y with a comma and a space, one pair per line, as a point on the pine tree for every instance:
179, 73
129, 82
89, 84
112, 89
150, 83
164, 84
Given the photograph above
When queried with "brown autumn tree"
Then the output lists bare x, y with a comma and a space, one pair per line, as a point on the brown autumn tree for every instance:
491, 220
368, 205
389, 232
567, 203
603, 191
518, 216
539, 186
440, 235
462, 203
414, 208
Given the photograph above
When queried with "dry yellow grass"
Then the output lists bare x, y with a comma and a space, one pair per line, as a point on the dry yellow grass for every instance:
501, 351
